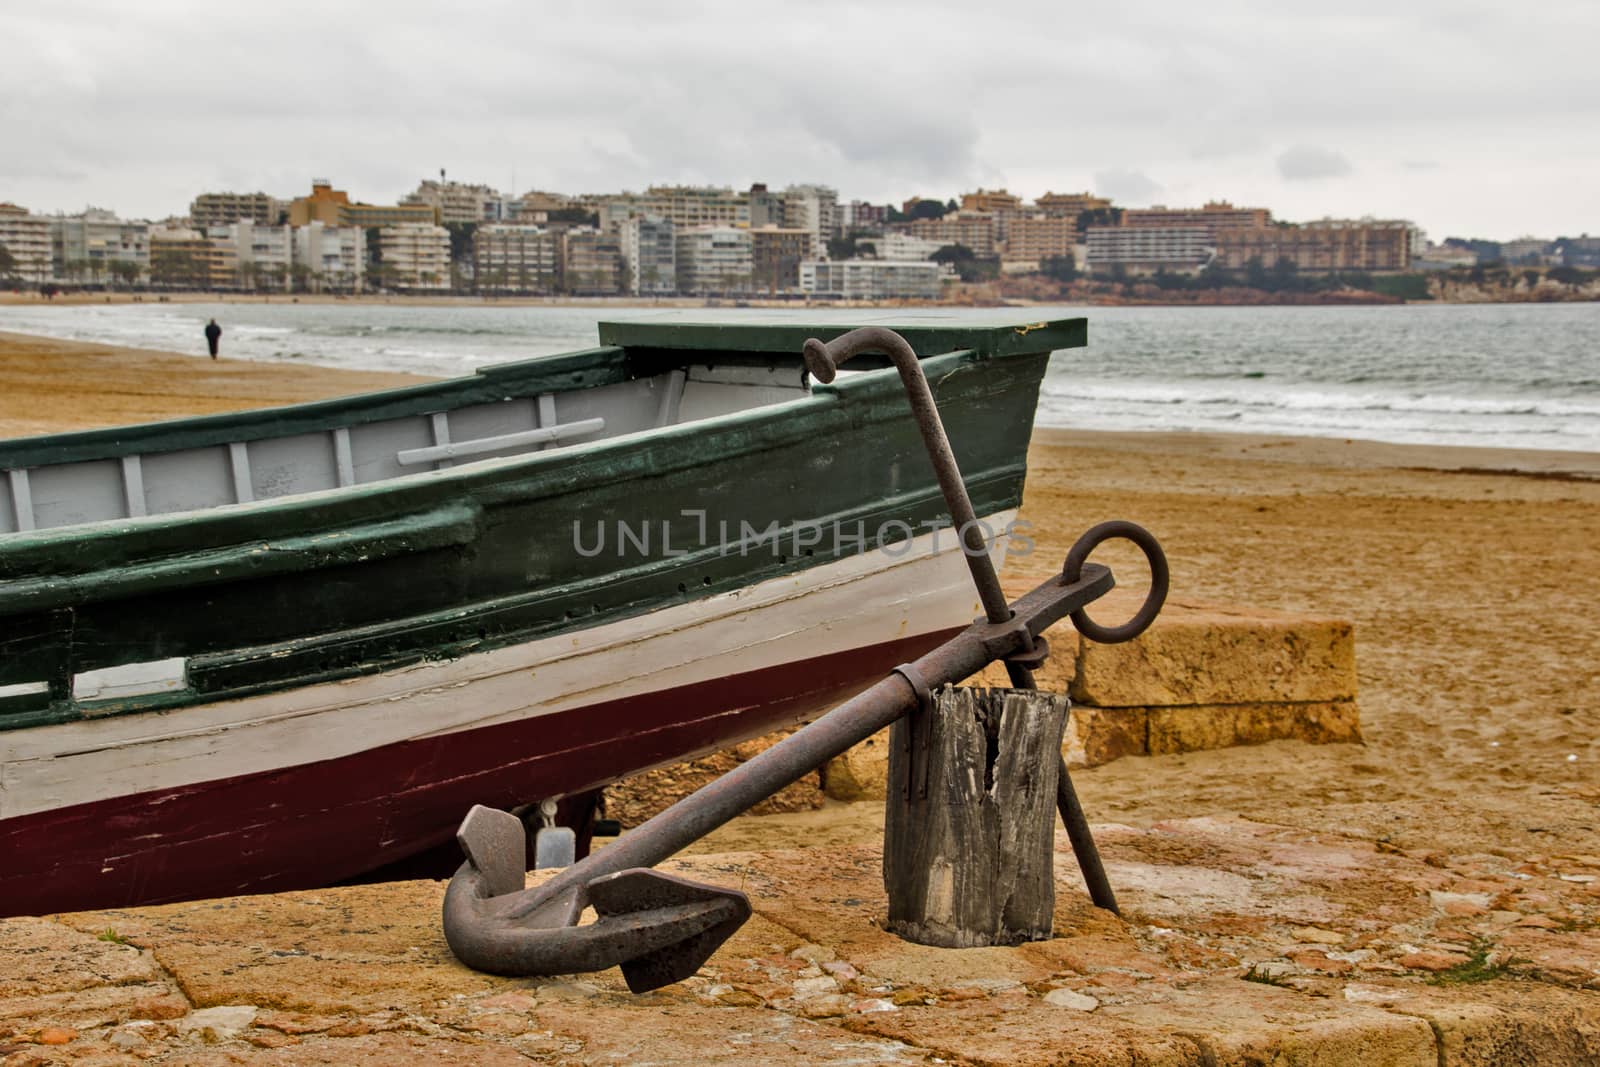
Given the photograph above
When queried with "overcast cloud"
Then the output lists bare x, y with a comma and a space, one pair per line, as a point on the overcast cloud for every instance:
1469, 118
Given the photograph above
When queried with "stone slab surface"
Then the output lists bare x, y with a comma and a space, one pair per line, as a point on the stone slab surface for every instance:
1239, 943
1099, 735
1213, 654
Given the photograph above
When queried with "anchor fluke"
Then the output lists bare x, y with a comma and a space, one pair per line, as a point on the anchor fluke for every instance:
658, 928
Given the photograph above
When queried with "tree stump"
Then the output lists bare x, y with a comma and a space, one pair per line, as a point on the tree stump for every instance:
969, 830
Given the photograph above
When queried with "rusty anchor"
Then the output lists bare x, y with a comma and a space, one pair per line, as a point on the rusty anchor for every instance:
660, 929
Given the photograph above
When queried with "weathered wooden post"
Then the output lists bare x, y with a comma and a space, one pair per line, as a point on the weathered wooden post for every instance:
970, 825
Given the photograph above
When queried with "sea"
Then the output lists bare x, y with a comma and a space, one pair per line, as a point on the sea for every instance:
1494, 375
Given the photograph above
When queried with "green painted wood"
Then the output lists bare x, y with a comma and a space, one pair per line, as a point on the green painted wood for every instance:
463, 559
548, 374
991, 341
446, 526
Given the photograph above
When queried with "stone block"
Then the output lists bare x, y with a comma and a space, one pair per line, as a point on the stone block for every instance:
1208, 654
862, 773
1205, 726
1100, 735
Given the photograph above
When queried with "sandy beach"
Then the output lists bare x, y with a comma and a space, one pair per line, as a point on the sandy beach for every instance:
1472, 577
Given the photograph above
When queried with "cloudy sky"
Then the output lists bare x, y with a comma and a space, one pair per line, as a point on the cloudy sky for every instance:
1469, 118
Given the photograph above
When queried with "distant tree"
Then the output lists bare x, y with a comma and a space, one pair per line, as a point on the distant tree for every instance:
842, 247
575, 215
1284, 276
1099, 216
919, 209
174, 267
461, 243
951, 206
970, 267
1215, 276
1061, 268
1255, 273
8, 265
126, 271
1404, 286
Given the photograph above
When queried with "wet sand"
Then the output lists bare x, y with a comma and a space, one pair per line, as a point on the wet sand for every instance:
48, 386
1473, 578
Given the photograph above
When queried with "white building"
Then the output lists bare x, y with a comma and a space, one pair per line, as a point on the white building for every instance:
94, 245
649, 255
874, 279
26, 238
516, 258
457, 201
415, 256
714, 259
901, 246
264, 254
1150, 248
814, 208
336, 256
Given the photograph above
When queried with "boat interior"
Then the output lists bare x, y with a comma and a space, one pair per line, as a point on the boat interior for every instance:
371, 442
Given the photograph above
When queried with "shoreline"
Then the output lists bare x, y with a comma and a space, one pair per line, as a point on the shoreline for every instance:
46, 369
1259, 298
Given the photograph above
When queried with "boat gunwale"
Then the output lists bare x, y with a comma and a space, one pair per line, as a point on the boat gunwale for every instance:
605, 364
21, 552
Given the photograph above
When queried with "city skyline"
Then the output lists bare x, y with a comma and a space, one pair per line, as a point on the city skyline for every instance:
1468, 120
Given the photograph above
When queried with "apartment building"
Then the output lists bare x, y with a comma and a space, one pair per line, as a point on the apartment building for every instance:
873, 279
334, 256
1070, 205
182, 257
972, 229
685, 206
993, 201
263, 255
814, 208
714, 259
766, 206
999, 204
1035, 238
415, 256
649, 256
1327, 245
900, 246
457, 202
1146, 249
775, 256
1216, 216
591, 262
860, 215
210, 210
96, 246
333, 207
517, 258
321, 205
26, 239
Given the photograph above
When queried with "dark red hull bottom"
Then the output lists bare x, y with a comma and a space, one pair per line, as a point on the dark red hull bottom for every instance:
320, 823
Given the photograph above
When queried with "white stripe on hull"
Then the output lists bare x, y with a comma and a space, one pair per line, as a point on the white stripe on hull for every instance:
860, 600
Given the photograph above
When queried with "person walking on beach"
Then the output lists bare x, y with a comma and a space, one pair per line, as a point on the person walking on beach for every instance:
213, 335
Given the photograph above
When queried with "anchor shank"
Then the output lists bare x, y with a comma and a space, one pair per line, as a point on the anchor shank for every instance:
809, 748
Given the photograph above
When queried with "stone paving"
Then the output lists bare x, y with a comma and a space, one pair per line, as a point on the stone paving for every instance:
1241, 943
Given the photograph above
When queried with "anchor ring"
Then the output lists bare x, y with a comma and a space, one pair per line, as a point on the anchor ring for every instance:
1072, 570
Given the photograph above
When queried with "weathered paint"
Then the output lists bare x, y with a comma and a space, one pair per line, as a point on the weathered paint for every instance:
482, 555
312, 824
347, 587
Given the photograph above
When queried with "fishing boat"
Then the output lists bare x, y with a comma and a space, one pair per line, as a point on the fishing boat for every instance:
281, 648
